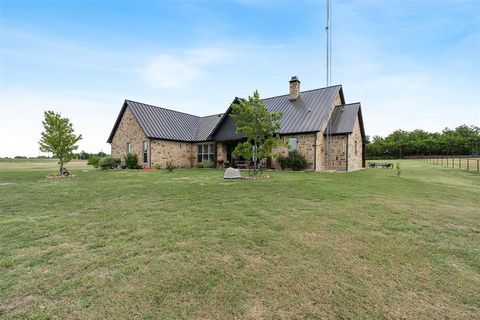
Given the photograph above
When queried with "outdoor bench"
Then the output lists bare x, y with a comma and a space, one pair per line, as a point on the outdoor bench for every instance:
380, 164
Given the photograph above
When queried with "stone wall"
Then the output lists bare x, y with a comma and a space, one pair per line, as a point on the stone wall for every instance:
221, 151
355, 160
181, 154
304, 146
321, 140
338, 153
128, 131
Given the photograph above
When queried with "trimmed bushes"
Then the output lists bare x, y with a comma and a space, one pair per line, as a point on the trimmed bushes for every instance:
93, 161
295, 161
282, 161
109, 162
131, 161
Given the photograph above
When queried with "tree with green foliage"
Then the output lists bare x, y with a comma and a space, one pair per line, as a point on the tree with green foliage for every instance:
463, 140
259, 126
58, 138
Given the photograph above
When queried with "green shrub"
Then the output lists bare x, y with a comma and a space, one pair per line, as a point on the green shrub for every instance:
131, 161
158, 166
208, 164
170, 166
199, 165
109, 162
282, 161
93, 161
297, 161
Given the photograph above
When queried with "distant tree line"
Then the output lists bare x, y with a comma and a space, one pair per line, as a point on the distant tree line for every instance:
463, 140
81, 156
86, 156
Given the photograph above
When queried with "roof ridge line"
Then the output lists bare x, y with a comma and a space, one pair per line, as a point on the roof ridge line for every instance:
347, 104
281, 95
151, 105
211, 115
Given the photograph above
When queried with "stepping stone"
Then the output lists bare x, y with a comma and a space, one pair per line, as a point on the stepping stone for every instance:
231, 173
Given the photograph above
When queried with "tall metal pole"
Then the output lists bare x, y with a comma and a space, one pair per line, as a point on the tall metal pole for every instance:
327, 30
328, 80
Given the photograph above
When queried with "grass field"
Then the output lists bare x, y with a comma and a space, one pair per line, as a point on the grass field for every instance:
139, 244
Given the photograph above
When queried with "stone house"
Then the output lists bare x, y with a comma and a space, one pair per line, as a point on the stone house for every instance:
318, 123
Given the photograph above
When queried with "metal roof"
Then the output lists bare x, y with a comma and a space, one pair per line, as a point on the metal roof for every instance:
343, 119
206, 126
161, 123
307, 113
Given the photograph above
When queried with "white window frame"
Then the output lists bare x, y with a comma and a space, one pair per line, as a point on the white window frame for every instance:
205, 151
292, 144
129, 147
145, 151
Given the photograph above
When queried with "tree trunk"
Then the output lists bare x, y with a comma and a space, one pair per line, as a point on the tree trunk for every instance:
255, 157
61, 168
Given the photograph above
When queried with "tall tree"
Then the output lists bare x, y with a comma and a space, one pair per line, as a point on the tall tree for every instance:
58, 138
258, 125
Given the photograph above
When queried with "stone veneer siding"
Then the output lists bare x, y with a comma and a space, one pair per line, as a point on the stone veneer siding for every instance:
221, 151
304, 146
338, 154
128, 131
181, 154
355, 160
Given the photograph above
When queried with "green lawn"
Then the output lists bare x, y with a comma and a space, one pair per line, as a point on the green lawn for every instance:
149, 244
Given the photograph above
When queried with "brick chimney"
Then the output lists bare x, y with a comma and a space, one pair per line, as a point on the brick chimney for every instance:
294, 88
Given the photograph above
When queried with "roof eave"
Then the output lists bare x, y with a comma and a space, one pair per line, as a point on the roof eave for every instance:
117, 122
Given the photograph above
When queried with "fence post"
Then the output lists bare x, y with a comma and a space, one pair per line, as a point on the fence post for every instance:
468, 166
478, 161
460, 163
447, 161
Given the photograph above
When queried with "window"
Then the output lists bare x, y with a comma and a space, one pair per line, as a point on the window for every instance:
145, 151
205, 152
356, 151
292, 144
129, 148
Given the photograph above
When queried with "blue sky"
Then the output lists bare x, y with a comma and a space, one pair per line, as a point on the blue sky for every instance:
412, 64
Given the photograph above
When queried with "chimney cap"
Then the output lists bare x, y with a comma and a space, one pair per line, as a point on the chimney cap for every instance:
294, 79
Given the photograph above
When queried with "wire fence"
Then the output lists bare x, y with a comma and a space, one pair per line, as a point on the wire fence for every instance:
454, 162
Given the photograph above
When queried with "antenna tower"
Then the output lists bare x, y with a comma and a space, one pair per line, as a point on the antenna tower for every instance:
328, 79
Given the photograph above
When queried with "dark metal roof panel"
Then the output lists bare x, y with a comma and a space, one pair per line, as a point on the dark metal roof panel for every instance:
307, 113
206, 126
343, 119
160, 123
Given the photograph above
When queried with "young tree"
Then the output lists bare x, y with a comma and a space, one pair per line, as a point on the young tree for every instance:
58, 138
258, 125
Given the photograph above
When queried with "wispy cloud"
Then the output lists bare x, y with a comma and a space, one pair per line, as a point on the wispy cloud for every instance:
168, 70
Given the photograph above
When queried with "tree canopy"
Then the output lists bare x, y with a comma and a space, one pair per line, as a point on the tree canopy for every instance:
463, 140
259, 126
58, 138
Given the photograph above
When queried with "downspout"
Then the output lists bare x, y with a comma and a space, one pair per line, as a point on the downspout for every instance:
315, 153
347, 151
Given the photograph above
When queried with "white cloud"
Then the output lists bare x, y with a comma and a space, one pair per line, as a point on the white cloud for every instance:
172, 71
